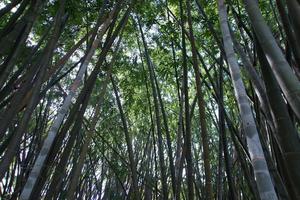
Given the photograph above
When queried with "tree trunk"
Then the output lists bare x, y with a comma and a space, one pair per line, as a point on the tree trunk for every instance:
157, 116
202, 113
294, 12
281, 69
286, 134
187, 136
128, 138
59, 118
261, 171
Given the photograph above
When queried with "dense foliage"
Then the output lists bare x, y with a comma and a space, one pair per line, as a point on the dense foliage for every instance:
161, 99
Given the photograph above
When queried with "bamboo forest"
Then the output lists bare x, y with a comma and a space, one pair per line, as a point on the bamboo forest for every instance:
150, 99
